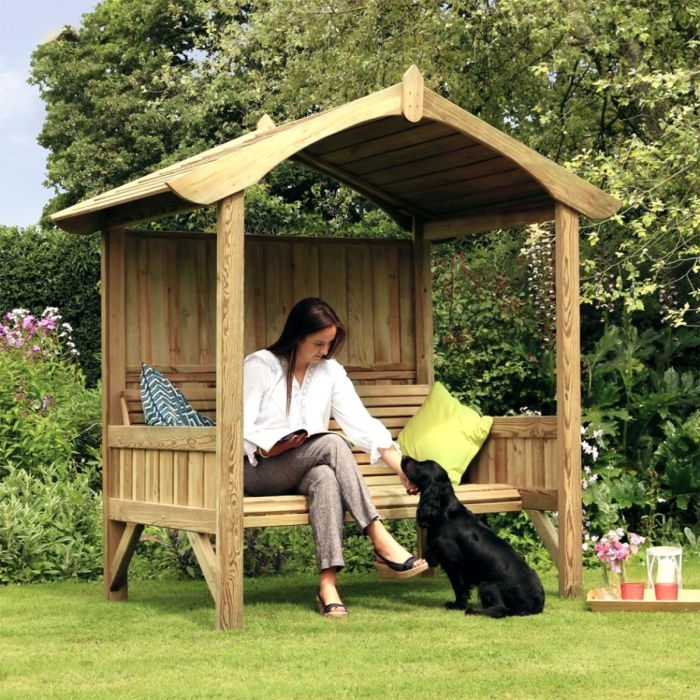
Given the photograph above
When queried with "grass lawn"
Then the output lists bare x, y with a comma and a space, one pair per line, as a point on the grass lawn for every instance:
64, 640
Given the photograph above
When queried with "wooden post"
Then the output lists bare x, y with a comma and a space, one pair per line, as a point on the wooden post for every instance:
423, 305
568, 401
229, 412
113, 382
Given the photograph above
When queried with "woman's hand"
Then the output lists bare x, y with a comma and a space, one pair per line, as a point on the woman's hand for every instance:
392, 458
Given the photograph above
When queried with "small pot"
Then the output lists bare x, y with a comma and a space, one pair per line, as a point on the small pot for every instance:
666, 591
632, 591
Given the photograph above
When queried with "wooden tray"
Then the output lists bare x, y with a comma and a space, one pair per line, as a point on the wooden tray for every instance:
688, 599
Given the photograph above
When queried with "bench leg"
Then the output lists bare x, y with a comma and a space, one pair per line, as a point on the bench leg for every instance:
547, 532
206, 557
128, 540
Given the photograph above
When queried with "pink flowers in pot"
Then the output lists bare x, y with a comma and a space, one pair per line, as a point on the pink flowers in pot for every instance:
616, 547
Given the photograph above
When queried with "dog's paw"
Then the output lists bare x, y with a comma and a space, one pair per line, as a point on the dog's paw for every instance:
455, 605
471, 610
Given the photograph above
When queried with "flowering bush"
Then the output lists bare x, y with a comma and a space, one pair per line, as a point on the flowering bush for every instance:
46, 413
49, 474
615, 548
37, 336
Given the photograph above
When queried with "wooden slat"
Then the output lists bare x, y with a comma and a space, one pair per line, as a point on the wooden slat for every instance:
162, 438
177, 517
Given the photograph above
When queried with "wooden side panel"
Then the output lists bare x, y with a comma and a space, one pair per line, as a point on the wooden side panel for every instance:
521, 451
171, 310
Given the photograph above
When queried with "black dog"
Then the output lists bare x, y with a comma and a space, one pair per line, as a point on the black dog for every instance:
470, 553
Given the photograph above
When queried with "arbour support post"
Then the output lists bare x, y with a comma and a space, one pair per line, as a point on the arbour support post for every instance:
229, 412
119, 541
568, 400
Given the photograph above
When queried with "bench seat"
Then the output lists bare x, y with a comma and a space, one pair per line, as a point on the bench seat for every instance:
166, 476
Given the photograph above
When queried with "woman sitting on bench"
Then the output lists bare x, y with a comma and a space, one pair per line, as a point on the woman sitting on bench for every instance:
294, 384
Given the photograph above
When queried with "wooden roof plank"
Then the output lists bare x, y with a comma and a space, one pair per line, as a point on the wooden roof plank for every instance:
359, 143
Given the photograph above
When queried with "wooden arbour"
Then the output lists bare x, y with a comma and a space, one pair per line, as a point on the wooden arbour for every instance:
193, 304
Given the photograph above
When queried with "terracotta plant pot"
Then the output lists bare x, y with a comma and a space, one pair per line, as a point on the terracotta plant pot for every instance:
632, 591
666, 591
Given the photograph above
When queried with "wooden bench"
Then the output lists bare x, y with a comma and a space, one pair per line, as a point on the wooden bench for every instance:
166, 476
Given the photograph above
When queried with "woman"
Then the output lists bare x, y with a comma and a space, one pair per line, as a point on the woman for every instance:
294, 384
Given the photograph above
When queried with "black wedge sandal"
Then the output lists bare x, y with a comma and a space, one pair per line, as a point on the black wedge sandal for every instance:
330, 609
391, 569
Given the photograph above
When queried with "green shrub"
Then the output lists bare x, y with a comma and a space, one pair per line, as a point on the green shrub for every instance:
50, 524
50, 515
490, 349
47, 267
47, 415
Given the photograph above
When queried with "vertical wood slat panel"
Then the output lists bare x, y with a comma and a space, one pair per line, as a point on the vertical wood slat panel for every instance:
381, 306
206, 293
210, 480
552, 471
254, 296
407, 342
165, 476
306, 271
181, 479
139, 471
333, 284
501, 461
360, 311
157, 281
195, 479
144, 303
278, 289
125, 459
394, 305
171, 279
131, 300
152, 475
187, 293
168, 252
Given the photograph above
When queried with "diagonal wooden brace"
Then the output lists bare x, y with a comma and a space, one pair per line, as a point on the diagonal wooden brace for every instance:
122, 557
204, 551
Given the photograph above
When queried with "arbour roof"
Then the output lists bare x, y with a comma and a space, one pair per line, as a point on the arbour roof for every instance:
409, 150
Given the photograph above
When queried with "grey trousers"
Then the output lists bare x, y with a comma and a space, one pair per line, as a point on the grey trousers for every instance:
323, 469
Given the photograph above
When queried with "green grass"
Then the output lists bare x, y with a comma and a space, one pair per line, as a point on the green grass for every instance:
64, 640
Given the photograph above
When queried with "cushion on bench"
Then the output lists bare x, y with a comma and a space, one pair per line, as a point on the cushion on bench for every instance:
445, 431
164, 404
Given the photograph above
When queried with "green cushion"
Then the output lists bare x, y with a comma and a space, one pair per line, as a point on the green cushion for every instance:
445, 431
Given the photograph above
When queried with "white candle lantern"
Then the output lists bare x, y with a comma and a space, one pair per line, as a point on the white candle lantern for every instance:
664, 565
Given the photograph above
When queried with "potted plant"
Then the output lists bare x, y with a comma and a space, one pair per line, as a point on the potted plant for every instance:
617, 551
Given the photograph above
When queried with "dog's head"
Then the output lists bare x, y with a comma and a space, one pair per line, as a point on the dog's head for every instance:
436, 492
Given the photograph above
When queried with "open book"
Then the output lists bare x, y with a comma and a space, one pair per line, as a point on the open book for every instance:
291, 440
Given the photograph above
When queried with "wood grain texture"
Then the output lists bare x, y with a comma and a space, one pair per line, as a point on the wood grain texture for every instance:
229, 414
113, 383
568, 401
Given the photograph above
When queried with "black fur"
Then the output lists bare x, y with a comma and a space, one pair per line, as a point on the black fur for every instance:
470, 553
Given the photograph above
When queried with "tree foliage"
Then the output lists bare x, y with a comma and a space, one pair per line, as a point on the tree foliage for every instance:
609, 91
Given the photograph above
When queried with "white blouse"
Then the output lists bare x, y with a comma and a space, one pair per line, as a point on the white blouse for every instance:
325, 392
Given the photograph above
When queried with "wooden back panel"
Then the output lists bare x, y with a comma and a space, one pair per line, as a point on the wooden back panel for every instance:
171, 299
520, 450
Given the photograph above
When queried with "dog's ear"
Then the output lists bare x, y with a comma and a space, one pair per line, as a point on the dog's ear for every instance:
431, 504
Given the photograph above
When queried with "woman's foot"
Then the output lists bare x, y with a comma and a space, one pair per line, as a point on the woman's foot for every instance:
328, 609
328, 600
388, 548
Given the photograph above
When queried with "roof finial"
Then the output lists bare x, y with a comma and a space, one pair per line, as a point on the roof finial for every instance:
412, 94
265, 123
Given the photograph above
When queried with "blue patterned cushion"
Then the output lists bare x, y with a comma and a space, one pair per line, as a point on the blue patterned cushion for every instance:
164, 404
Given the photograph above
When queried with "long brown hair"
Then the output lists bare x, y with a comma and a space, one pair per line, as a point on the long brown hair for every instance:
307, 316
